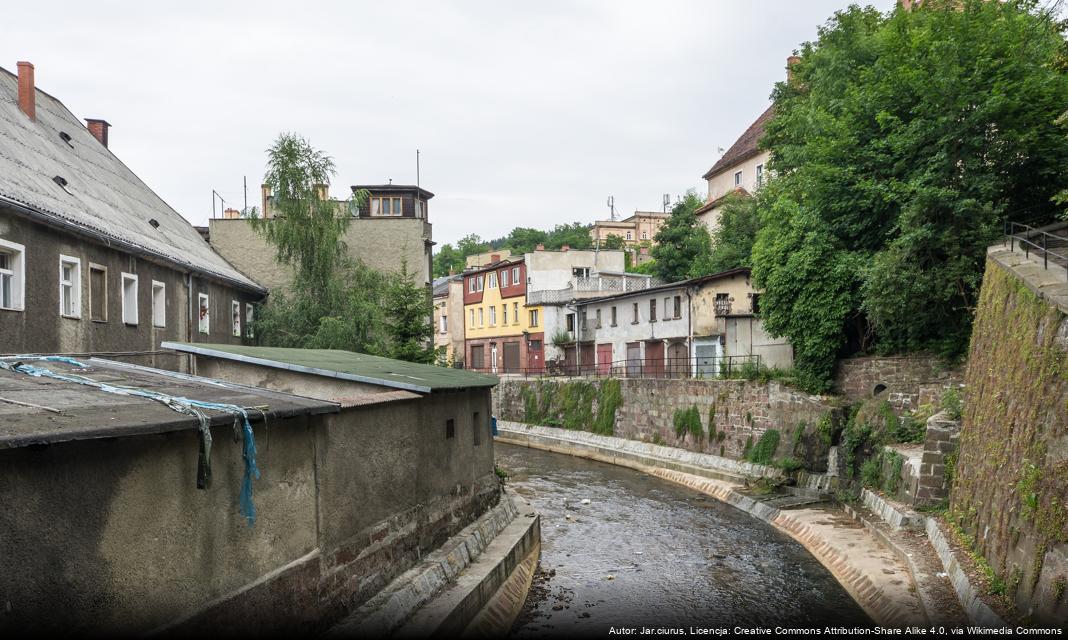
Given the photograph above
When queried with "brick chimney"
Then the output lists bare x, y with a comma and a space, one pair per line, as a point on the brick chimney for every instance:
565, 248
265, 201
495, 257
540, 247
790, 62
27, 91
99, 129
231, 214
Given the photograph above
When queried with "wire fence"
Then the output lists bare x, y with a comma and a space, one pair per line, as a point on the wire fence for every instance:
1050, 247
661, 368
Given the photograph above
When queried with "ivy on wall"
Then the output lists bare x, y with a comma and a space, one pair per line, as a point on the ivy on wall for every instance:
1010, 475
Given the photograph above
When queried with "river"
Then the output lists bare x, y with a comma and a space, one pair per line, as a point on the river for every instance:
624, 549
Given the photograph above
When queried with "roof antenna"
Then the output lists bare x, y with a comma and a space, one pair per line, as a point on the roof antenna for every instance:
612, 207
667, 201
391, 180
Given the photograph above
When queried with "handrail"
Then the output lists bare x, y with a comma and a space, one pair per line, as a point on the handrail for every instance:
1027, 238
684, 367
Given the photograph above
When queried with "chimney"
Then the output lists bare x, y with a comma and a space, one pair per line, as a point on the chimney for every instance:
265, 201
323, 191
790, 62
99, 129
565, 248
540, 247
231, 214
496, 257
27, 91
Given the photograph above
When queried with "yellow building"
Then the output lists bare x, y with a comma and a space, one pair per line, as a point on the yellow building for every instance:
502, 334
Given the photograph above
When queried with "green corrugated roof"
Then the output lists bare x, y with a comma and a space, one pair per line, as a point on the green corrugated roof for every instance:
348, 365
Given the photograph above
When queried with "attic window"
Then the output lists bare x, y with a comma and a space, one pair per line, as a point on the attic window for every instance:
154, 223
65, 137
61, 181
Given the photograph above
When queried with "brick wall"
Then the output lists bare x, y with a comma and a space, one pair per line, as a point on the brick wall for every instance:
911, 381
743, 411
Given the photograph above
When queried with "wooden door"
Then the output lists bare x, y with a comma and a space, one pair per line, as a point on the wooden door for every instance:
678, 360
604, 359
634, 359
511, 357
654, 359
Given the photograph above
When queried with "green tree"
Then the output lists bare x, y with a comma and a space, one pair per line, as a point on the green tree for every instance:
614, 242
575, 235
682, 244
732, 241
524, 240
471, 244
901, 144
409, 309
447, 259
307, 229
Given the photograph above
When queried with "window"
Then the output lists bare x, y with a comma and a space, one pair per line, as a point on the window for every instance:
476, 428
159, 304
738, 179
70, 287
678, 306
385, 206
205, 313
443, 323
580, 272
450, 428
582, 319
504, 313
722, 304
652, 310
493, 316
760, 174
235, 321
492, 284
480, 283
515, 275
98, 293
515, 313
635, 320
667, 308
471, 285
504, 278
420, 209
12, 275
645, 235
756, 303
597, 320
613, 316
533, 317
629, 236
129, 299
570, 322
249, 310
472, 322
481, 317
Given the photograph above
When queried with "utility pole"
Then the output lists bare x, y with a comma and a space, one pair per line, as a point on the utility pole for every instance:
667, 201
612, 207
417, 169
244, 179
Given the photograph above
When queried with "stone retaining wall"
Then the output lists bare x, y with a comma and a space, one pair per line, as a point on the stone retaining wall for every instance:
739, 412
910, 381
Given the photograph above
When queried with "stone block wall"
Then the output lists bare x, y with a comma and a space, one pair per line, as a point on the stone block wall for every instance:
740, 412
920, 474
910, 381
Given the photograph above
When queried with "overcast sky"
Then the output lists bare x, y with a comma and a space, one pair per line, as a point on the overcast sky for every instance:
526, 113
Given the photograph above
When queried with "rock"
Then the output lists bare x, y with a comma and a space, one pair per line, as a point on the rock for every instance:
585, 501
609, 577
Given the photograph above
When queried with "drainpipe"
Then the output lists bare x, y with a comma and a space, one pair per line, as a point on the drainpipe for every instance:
690, 364
189, 322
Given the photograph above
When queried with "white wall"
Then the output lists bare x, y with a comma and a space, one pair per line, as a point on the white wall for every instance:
548, 270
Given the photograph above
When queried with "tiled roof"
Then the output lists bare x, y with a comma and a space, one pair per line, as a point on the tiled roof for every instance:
101, 197
441, 285
345, 365
712, 204
743, 148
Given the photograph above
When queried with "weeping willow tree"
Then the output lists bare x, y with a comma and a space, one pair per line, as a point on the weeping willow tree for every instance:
336, 302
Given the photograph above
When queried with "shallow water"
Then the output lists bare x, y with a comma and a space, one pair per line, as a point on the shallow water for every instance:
645, 552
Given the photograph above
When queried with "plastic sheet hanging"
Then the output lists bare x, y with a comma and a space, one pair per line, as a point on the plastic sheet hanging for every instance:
187, 406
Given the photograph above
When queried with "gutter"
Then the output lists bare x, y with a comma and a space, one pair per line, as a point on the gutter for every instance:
109, 241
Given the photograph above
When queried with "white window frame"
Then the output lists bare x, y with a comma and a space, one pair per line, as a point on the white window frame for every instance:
471, 282
235, 318
481, 317
493, 316
472, 323
515, 313
491, 282
504, 278
515, 275
533, 317
443, 322
737, 178
17, 274
204, 317
75, 284
159, 304
250, 311
760, 174
504, 314
129, 311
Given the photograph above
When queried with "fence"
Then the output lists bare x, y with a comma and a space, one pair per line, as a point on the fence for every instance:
1051, 247
592, 287
667, 368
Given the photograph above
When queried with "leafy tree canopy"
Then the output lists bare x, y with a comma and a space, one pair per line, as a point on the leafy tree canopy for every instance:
732, 241
901, 145
682, 244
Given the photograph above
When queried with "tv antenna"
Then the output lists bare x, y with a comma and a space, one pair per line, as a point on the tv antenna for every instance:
667, 201
612, 207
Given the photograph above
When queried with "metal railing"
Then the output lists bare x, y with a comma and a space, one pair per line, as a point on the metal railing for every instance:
1039, 242
593, 286
666, 368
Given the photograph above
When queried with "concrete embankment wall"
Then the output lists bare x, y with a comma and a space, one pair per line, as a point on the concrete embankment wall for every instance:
733, 414
1011, 477
112, 536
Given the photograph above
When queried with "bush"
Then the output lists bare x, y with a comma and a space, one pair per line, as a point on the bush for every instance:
952, 403
764, 450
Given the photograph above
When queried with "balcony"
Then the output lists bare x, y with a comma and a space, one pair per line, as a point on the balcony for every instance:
593, 286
